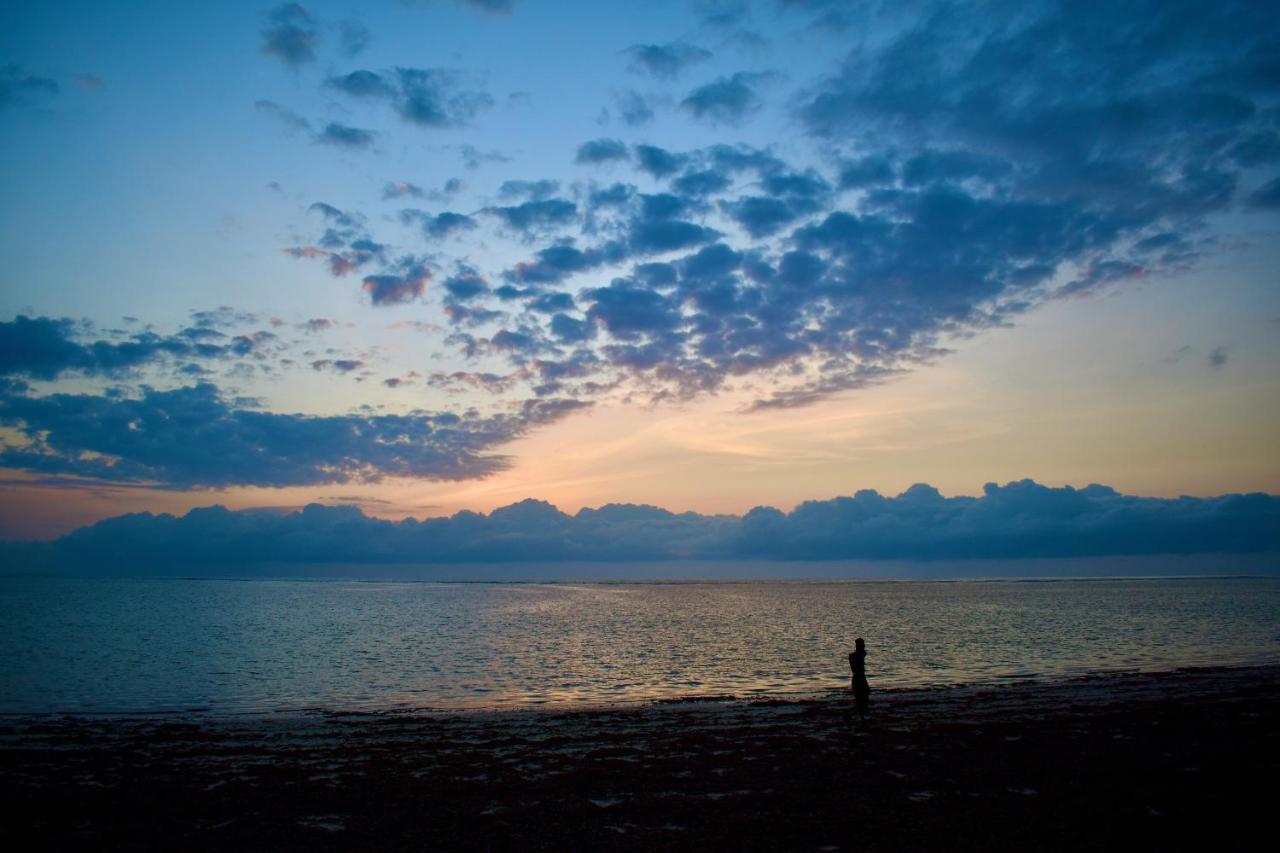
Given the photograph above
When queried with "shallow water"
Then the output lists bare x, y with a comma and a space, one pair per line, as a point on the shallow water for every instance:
112, 645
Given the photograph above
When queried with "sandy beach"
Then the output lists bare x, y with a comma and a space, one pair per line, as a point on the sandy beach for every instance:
1118, 761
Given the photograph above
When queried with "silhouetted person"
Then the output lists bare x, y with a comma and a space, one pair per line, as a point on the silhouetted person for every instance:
858, 666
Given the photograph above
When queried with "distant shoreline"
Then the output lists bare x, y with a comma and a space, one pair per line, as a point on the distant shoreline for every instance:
1209, 565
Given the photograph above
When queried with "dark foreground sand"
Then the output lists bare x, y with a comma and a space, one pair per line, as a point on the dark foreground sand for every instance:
1174, 760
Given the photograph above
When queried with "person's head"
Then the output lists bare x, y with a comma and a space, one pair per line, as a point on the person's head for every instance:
859, 643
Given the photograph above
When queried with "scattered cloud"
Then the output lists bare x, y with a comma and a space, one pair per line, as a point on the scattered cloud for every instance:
440, 225
727, 100
43, 348
427, 97
354, 37
666, 61
345, 136
395, 287
17, 87
195, 437
286, 117
290, 35
635, 109
598, 151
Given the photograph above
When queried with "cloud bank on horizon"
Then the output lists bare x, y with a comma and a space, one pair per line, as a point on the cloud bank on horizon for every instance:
948, 168
1015, 521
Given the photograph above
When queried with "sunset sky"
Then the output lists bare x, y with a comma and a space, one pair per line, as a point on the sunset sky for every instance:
420, 257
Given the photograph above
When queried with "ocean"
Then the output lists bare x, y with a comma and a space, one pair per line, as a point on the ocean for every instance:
98, 645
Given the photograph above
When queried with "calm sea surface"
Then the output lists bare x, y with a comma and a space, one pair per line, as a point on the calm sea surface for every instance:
235, 646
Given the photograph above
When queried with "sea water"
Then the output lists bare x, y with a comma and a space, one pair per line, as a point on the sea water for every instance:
145, 645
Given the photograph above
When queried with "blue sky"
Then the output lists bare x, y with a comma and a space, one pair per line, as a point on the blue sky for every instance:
429, 256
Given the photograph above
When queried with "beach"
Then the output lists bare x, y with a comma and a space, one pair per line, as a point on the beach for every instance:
1123, 760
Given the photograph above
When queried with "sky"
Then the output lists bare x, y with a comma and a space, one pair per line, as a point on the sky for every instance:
424, 257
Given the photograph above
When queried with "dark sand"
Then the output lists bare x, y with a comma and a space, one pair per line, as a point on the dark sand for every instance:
1173, 760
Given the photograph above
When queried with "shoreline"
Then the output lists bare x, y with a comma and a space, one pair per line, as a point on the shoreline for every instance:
213, 715
1108, 760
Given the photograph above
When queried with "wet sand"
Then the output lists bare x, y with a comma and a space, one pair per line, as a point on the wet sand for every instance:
1149, 761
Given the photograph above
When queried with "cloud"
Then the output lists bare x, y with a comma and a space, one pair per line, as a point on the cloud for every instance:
354, 38
318, 324
467, 284
401, 189
431, 97
491, 7
970, 173
440, 225
658, 162
194, 437
558, 262
727, 100
1018, 520
333, 133
1266, 197
650, 237
405, 284
286, 117
18, 87
428, 97
1219, 357
337, 365
363, 84
336, 133
473, 158
44, 348
533, 216
628, 310
634, 108
602, 151
760, 216
666, 60
290, 35
699, 183
347, 247
89, 82
529, 190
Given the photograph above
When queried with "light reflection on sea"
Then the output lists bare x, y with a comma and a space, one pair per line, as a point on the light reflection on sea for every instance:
111, 645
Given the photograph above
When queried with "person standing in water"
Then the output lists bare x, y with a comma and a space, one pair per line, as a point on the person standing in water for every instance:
861, 689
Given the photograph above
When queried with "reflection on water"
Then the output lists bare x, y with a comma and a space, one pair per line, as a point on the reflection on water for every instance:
128, 645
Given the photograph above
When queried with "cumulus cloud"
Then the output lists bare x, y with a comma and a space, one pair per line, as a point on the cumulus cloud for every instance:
440, 225
529, 190
337, 365
971, 172
666, 60
45, 348
195, 437
634, 108
658, 162
406, 283
727, 100
345, 136
1019, 520
602, 151
537, 215
290, 35
428, 97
